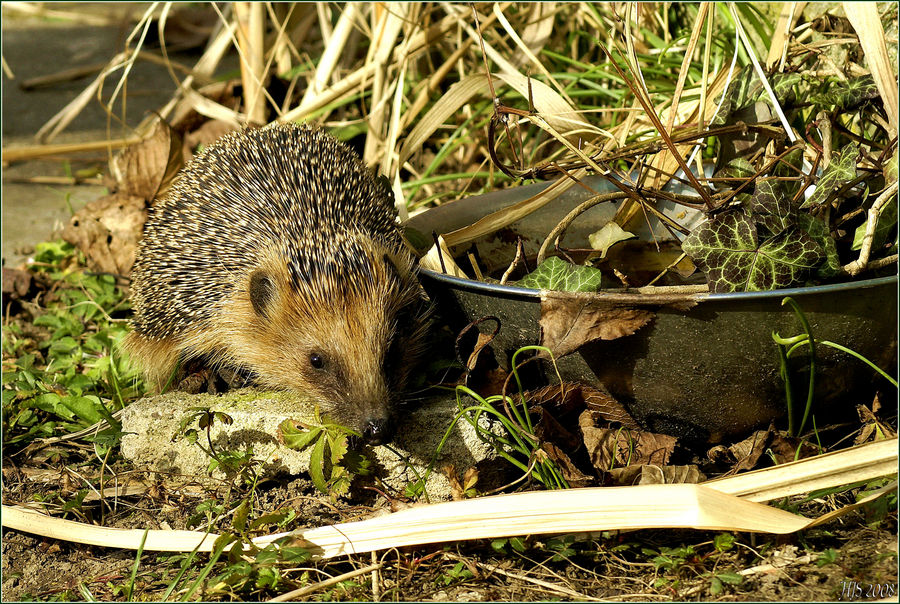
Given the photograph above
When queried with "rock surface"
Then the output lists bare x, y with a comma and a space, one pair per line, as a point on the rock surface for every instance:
154, 438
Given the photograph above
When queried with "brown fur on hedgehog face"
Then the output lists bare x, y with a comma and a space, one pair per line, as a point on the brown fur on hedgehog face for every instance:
347, 347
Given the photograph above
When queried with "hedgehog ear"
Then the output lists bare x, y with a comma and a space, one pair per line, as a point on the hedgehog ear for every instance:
262, 292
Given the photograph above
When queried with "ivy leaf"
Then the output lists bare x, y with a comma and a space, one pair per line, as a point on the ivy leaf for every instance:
770, 207
818, 230
891, 168
557, 274
727, 248
839, 172
841, 95
737, 167
746, 89
887, 218
608, 236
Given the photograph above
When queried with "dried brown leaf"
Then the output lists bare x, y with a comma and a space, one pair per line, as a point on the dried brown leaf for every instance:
602, 406
567, 324
609, 448
786, 449
16, 283
107, 231
548, 430
746, 453
146, 169
652, 474
209, 132
574, 476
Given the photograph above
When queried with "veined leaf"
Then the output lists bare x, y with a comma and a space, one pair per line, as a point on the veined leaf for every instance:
841, 95
727, 248
887, 218
839, 172
770, 207
746, 89
608, 236
557, 274
818, 230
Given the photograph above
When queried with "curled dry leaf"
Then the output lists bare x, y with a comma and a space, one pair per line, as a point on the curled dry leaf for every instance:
146, 169
569, 323
744, 454
574, 476
107, 231
762, 445
208, 133
603, 406
610, 448
567, 398
548, 430
651, 474
16, 283
482, 372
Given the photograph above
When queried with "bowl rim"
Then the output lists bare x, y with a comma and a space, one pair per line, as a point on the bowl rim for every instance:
526, 292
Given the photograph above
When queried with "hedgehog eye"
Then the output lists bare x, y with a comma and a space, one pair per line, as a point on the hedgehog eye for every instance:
316, 360
262, 292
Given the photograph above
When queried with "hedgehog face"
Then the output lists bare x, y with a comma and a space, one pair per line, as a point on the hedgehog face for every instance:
348, 348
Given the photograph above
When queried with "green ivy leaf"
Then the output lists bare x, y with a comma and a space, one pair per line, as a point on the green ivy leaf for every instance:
891, 168
728, 250
770, 207
840, 95
737, 167
557, 274
818, 230
746, 89
839, 172
887, 218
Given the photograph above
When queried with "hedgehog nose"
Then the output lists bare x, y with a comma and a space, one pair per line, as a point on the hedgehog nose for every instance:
378, 431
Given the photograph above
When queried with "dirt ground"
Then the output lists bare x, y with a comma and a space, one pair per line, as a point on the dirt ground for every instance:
649, 565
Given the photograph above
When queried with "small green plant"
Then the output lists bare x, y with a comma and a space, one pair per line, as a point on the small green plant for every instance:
247, 568
787, 346
718, 581
457, 574
829, 556
331, 465
64, 372
503, 546
518, 445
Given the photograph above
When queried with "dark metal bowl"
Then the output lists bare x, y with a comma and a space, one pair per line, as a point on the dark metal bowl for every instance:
703, 373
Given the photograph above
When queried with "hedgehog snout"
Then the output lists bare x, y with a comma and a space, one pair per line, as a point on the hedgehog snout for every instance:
378, 430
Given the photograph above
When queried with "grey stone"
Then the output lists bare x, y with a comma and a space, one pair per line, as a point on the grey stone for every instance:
154, 438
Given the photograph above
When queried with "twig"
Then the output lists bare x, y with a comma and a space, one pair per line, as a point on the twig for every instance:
858, 265
303, 591
571, 216
520, 252
665, 270
545, 584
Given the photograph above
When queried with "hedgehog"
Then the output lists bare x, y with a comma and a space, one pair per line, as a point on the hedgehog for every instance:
276, 256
